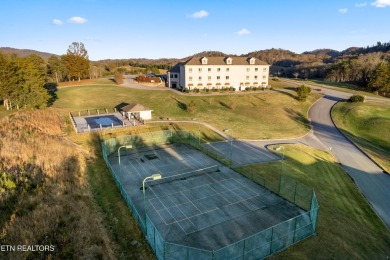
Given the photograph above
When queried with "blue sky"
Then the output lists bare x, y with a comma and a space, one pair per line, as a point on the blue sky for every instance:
157, 29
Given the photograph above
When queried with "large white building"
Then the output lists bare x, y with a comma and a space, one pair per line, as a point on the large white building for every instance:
219, 72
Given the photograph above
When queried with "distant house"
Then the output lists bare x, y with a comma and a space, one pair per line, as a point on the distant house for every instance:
219, 72
137, 111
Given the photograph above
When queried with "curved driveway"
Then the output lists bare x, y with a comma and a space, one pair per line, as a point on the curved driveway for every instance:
369, 178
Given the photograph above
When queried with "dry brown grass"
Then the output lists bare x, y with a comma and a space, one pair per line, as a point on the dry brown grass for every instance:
45, 198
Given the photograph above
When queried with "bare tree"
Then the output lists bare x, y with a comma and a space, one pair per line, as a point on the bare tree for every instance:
296, 74
78, 49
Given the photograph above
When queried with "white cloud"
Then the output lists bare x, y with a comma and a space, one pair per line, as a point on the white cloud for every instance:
77, 19
56, 22
343, 10
381, 3
199, 14
243, 32
361, 4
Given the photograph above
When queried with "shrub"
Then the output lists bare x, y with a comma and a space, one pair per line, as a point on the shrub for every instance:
196, 90
247, 89
356, 98
303, 92
118, 78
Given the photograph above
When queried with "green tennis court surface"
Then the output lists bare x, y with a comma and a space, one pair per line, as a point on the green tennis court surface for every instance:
199, 202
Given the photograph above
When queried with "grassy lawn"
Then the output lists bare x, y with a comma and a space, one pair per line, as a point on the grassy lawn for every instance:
368, 125
345, 87
99, 81
347, 226
262, 115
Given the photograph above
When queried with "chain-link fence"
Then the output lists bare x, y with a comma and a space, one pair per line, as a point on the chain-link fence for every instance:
259, 245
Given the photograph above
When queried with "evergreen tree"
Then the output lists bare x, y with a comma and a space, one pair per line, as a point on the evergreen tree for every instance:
380, 79
303, 92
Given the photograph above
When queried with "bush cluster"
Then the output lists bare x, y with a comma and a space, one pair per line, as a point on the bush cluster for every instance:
356, 98
143, 78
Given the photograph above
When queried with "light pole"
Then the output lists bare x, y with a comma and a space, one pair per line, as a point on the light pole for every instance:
277, 148
231, 145
119, 155
196, 119
152, 177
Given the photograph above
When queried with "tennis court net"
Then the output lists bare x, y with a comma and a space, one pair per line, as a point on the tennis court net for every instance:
185, 175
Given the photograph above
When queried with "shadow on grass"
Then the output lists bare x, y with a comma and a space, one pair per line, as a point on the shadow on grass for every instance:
183, 106
224, 104
286, 93
297, 116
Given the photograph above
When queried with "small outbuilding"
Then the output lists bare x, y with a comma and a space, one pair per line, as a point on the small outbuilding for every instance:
137, 111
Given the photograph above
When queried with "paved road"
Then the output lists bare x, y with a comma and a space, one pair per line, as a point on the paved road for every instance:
369, 178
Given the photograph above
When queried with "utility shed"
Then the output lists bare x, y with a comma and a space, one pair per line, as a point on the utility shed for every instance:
137, 111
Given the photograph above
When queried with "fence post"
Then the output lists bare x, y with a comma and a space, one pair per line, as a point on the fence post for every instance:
272, 237
97, 110
295, 228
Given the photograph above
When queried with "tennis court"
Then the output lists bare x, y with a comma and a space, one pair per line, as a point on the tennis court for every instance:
198, 202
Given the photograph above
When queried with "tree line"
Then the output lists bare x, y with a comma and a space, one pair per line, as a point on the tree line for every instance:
370, 71
24, 81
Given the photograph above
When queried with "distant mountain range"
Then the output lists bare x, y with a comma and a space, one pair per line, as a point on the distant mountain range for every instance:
25, 52
276, 57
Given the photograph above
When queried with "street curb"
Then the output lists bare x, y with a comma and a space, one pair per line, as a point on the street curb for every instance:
361, 150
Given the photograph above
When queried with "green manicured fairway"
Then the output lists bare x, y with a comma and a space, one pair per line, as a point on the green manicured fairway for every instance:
368, 125
347, 226
263, 115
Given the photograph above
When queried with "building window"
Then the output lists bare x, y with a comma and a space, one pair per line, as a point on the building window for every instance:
190, 70
200, 69
264, 69
227, 69
200, 78
248, 69
209, 69
209, 78
264, 77
175, 76
256, 69
255, 77
227, 77
247, 77
190, 78
171, 76
218, 69
218, 77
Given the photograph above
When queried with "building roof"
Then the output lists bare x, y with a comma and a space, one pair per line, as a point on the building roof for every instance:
176, 68
135, 107
197, 60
